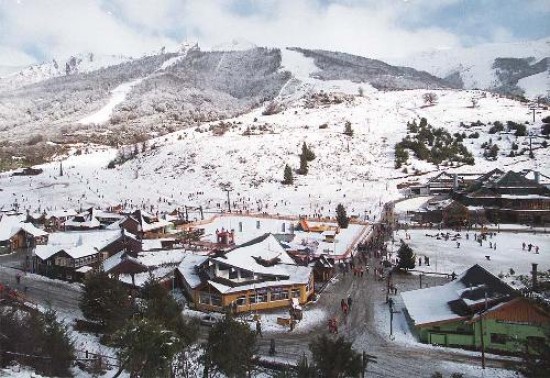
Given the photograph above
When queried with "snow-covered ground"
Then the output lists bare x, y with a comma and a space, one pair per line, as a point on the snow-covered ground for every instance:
445, 257
187, 167
118, 95
247, 228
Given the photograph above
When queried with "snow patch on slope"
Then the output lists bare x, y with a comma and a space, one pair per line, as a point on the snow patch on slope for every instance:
117, 96
535, 85
304, 81
475, 64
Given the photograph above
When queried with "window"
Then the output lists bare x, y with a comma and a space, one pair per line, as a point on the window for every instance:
279, 295
241, 301
233, 274
536, 342
296, 293
212, 299
246, 274
258, 298
498, 338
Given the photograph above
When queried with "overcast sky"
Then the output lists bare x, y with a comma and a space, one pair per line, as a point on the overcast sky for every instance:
37, 30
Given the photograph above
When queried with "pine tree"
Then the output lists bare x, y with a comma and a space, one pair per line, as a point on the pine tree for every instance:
303, 165
147, 349
221, 352
105, 300
407, 258
341, 216
335, 358
307, 152
288, 177
347, 129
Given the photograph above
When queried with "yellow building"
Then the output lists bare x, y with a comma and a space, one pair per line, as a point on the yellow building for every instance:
257, 275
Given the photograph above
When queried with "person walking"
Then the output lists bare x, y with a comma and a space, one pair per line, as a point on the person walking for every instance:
342, 304
259, 328
350, 301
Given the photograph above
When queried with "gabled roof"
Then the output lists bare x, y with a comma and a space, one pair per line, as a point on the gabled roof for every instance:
513, 179
110, 264
458, 299
256, 255
78, 244
491, 175
29, 228
147, 222
44, 252
188, 269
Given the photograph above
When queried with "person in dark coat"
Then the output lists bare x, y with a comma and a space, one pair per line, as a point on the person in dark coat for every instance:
350, 301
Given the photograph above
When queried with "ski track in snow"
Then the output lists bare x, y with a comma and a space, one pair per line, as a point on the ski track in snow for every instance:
118, 95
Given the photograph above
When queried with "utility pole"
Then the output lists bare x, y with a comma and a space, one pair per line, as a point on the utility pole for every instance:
228, 190
482, 340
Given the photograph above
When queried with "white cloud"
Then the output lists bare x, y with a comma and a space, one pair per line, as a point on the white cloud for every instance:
62, 28
371, 32
372, 28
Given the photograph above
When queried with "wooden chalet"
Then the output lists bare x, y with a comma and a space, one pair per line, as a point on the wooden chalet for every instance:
509, 198
145, 226
70, 252
477, 304
257, 275
22, 235
123, 263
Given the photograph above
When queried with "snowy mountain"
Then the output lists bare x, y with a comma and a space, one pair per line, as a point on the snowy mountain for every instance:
174, 90
12, 79
501, 67
340, 66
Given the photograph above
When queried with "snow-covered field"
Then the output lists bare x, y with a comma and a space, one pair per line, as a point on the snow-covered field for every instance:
446, 257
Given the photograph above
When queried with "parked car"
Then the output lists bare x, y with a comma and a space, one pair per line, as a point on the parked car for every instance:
209, 320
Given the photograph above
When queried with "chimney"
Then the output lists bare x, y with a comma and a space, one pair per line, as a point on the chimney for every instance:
455, 181
534, 284
537, 176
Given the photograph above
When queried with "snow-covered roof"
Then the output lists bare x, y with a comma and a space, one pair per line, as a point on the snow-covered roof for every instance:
266, 248
61, 213
151, 244
46, 251
297, 275
7, 223
113, 261
431, 305
164, 257
6, 232
86, 222
435, 304
188, 269
31, 229
84, 269
76, 244
98, 238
